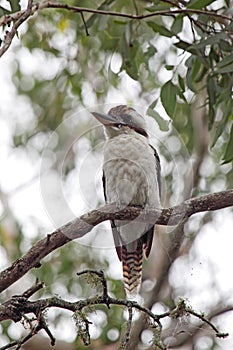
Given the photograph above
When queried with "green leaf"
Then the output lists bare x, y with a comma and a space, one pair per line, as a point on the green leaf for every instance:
218, 130
15, 5
158, 6
211, 89
132, 57
3, 11
183, 45
226, 69
169, 67
189, 63
225, 61
228, 155
168, 97
199, 4
225, 65
162, 123
225, 45
151, 51
153, 104
104, 6
181, 83
195, 68
157, 28
201, 74
210, 40
177, 25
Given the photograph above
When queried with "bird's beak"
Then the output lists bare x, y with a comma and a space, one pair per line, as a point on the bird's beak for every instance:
105, 119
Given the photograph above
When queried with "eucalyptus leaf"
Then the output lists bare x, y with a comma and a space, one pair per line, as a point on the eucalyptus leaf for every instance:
199, 4
228, 155
211, 89
181, 83
158, 7
225, 65
15, 5
218, 130
177, 24
168, 97
226, 69
153, 104
157, 28
4, 11
225, 45
162, 123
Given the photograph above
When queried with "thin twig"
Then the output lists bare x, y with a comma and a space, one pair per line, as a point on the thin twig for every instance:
213, 14
43, 325
38, 307
205, 320
135, 6
48, 4
32, 290
130, 320
126, 336
21, 16
101, 276
84, 23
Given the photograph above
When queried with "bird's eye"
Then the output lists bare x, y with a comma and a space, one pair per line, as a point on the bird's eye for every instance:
117, 126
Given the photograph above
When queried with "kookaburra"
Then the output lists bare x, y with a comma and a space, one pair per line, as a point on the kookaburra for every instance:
131, 176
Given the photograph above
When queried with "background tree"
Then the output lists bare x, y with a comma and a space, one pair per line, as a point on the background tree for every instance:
170, 60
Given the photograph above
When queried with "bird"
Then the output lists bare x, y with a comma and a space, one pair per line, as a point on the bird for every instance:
131, 177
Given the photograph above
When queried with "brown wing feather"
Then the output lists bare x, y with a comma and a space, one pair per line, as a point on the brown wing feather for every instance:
148, 240
158, 170
116, 237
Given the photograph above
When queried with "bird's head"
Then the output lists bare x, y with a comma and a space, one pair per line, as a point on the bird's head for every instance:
122, 120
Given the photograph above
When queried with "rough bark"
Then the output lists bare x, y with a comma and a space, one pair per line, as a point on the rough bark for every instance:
80, 226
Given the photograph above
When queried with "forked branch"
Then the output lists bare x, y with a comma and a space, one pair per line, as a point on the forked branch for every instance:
19, 306
80, 226
17, 18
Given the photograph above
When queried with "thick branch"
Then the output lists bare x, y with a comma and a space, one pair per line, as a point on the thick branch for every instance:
80, 226
10, 34
24, 306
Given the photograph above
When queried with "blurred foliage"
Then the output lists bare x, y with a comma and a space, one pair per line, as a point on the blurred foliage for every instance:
66, 64
201, 43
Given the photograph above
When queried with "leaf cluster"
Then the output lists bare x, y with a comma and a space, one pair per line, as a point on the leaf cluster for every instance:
175, 53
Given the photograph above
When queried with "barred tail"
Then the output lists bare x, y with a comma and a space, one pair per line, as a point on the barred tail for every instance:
132, 268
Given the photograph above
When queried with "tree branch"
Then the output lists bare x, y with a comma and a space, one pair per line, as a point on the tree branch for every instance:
18, 306
9, 35
49, 4
80, 226
19, 17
